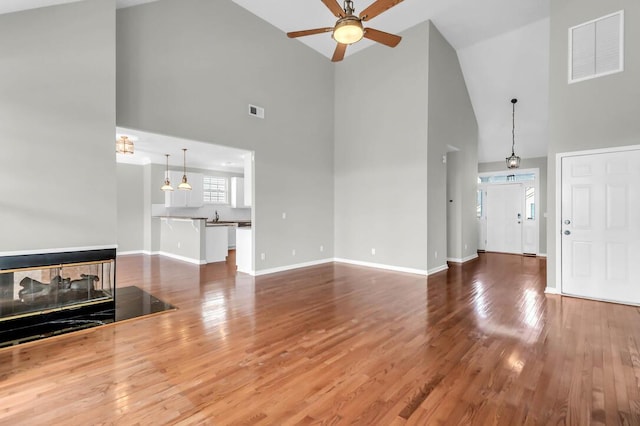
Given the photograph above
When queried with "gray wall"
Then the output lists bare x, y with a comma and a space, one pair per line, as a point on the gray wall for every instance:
381, 153
180, 74
131, 208
529, 163
597, 113
451, 122
57, 81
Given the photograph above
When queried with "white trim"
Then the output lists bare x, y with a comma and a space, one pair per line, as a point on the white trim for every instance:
558, 218
289, 267
130, 252
437, 269
56, 250
541, 254
551, 290
383, 266
463, 260
182, 258
570, 49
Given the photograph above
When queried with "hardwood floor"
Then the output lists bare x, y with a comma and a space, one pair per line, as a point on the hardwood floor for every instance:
337, 344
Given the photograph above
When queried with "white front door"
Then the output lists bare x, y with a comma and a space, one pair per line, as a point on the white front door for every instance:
600, 228
504, 218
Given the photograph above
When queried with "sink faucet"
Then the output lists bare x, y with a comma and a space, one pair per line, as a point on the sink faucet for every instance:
216, 218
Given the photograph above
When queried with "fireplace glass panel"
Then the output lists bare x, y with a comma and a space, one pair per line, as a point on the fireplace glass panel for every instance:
36, 290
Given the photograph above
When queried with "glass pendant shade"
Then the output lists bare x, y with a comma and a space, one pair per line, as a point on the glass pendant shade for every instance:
348, 30
167, 185
513, 162
124, 145
184, 185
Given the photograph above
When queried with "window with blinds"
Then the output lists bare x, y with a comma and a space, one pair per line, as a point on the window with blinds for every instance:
596, 48
216, 190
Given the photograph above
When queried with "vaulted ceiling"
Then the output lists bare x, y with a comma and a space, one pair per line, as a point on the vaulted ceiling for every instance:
503, 47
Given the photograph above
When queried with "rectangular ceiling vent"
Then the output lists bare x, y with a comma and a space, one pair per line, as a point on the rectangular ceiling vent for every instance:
596, 48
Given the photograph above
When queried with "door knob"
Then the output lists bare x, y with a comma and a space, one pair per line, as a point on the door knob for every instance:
567, 222
567, 232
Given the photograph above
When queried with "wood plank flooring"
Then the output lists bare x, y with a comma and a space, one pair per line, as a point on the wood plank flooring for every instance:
337, 344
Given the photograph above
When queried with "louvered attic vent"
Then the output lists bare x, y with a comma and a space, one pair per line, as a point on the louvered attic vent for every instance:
596, 48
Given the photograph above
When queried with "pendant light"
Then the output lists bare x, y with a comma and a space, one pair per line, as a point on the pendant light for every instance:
184, 185
513, 162
167, 185
124, 145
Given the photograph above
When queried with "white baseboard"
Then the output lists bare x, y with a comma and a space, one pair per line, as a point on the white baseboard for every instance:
289, 267
383, 266
463, 260
438, 269
128, 253
182, 258
551, 290
541, 254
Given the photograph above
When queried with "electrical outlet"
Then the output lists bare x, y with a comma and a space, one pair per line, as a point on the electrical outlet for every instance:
436, 255
284, 215
293, 252
321, 248
465, 247
179, 244
262, 256
373, 251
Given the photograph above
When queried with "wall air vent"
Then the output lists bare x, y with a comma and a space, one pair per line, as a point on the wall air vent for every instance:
256, 111
596, 48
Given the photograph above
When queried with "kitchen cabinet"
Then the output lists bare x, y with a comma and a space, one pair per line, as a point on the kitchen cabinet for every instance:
237, 192
232, 236
244, 250
216, 243
180, 198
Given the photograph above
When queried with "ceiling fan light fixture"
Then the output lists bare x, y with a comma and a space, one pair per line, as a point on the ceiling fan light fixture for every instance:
348, 30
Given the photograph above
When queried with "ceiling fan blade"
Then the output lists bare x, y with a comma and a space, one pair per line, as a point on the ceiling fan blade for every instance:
334, 7
377, 8
387, 39
295, 34
338, 54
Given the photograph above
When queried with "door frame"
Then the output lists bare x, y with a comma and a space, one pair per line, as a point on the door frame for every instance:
482, 220
558, 218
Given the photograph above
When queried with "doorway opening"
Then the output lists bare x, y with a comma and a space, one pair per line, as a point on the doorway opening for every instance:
507, 211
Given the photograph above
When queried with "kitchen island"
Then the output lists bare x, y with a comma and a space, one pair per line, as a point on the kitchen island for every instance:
193, 239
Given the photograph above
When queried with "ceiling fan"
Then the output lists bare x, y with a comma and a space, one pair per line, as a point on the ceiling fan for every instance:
349, 28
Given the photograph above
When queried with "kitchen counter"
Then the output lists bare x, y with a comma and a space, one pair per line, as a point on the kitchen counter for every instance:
181, 217
236, 223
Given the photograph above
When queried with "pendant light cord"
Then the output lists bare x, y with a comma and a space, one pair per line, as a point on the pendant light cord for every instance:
513, 128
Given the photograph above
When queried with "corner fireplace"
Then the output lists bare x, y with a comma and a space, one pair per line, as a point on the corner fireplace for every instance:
52, 293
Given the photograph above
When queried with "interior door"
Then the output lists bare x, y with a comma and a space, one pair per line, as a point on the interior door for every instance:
504, 218
600, 228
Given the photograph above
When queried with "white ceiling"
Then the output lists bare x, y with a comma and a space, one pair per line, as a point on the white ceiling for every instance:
502, 45
151, 148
